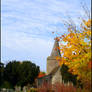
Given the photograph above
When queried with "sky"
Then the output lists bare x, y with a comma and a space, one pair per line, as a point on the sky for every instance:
27, 26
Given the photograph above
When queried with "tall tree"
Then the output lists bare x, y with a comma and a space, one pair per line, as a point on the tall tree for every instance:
29, 71
21, 73
67, 76
1, 73
76, 51
12, 72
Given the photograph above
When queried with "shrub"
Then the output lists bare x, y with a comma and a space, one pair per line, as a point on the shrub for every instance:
6, 84
46, 87
60, 88
33, 90
63, 88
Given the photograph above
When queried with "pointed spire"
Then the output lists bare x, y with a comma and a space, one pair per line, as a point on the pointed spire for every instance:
55, 50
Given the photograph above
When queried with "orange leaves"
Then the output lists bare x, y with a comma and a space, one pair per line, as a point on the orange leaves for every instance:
57, 48
41, 74
64, 39
90, 64
57, 38
71, 35
88, 23
76, 51
87, 28
61, 60
58, 58
63, 36
88, 32
75, 47
71, 70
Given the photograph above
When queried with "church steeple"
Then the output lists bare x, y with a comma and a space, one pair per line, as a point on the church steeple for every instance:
55, 50
52, 63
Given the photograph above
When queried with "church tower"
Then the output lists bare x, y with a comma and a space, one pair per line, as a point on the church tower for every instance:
51, 60
53, 65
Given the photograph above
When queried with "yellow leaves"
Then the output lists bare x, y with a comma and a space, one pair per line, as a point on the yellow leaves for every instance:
61, 60
61, 63
58, 58
64, 39
89, 32
75, 72
71, 35
76, 53
87, 23
67, 53
71, 70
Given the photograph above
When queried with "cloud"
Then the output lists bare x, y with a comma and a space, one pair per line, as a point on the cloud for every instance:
20, 47
27, 27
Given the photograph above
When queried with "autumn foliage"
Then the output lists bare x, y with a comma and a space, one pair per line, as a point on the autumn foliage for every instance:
75, 48
41, 74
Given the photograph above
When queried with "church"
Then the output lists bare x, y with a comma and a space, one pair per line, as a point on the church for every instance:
53, 74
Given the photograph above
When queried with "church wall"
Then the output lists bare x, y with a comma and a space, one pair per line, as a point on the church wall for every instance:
57, 78
51, 64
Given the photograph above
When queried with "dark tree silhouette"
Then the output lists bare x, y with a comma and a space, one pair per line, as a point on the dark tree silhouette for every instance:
21, 73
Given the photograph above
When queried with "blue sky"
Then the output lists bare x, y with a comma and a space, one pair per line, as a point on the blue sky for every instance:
27, 26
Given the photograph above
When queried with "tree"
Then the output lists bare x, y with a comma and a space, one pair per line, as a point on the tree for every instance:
67, 76
76, 51
29, 71
1, 73
12, 72
21, 73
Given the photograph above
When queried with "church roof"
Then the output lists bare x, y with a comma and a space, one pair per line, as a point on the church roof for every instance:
41, 74
55, 70
55, 50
